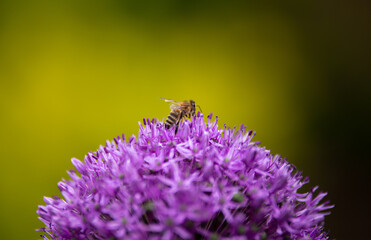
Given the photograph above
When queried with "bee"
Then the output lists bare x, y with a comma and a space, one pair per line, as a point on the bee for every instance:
179, 110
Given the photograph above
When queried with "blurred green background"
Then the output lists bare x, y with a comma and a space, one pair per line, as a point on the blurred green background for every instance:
76, 73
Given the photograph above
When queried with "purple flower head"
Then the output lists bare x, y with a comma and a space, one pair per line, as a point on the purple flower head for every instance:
200, 183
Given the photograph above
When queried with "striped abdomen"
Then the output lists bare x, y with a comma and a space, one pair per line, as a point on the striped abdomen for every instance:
173, 118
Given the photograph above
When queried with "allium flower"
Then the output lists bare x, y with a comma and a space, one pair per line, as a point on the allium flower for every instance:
202, 183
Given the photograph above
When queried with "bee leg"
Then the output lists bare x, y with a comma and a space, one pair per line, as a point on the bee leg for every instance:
177, 126
177, 122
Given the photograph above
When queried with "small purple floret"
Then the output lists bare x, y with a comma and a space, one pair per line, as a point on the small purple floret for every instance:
202, 183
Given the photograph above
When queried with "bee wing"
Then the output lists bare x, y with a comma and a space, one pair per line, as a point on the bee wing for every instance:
170, 101
175, 107
174, 104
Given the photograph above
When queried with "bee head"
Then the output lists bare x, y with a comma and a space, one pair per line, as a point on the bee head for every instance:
193, 103
193, 106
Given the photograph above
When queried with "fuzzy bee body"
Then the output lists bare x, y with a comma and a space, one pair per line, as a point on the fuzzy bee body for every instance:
178, 111
173, 118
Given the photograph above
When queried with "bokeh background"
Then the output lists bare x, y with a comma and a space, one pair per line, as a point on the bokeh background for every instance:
76, 73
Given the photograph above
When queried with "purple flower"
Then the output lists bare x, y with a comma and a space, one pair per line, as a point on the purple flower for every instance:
202, 183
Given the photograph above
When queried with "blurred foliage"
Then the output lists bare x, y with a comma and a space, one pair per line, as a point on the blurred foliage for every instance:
76, 73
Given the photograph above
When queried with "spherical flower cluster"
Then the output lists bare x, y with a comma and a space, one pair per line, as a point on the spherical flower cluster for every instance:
200, 183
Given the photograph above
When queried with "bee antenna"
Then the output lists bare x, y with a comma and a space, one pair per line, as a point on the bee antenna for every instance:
199, 108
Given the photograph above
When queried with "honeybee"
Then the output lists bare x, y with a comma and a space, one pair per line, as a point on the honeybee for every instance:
178, 111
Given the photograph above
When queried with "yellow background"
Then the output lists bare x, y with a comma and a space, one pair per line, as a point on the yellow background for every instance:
76, 73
